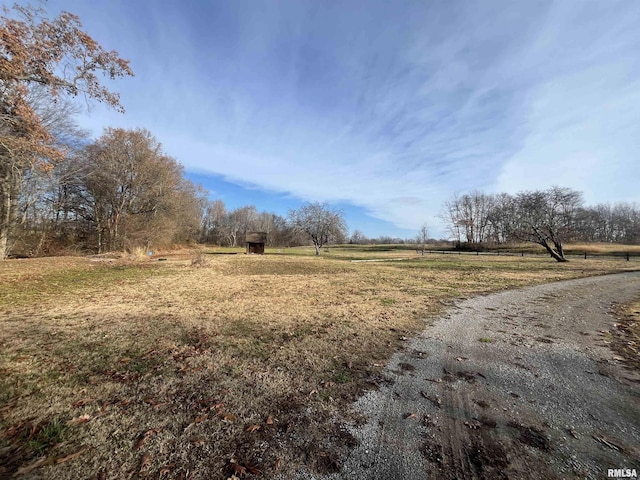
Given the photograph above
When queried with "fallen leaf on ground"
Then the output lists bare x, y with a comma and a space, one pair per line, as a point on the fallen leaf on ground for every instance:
269, 420
37, 464
146, 460
72, 456
81, 419
167, 469
239, 469
409, 415
201, 418
435, 400
252, 428
253, 471
143, 438
609, 442
197, 420
572, 432
228, 417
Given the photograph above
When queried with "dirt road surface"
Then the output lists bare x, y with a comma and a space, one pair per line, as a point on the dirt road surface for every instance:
515, 385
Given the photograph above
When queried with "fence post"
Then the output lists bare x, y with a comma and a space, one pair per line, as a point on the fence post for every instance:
585, 255
627, 256
522, 253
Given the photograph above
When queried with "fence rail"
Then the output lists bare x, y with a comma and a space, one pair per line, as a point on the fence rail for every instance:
626, 256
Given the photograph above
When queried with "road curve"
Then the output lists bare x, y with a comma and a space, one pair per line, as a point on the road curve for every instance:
515, 385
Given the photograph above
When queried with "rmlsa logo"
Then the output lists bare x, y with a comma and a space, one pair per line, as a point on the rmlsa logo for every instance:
622, 473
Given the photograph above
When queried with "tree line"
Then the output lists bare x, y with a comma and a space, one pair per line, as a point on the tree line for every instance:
122, 192
315, 221
118, 192
546, 217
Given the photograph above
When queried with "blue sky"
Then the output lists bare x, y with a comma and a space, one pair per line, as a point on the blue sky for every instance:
383, 108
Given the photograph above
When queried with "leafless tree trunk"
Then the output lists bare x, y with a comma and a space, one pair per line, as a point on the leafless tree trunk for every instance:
9, 180
319, 222
547, 218
423, 236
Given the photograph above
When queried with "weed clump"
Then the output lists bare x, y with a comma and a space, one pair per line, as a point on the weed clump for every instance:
199, 260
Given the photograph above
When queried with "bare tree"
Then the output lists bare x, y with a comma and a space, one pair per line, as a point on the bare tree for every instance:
543, 217
320, 222
625, 222
547, 218
247, 219
238, 222
274, 226
452, 217
501, 218
358, 238
226, 228
45, 194
213, 222
423, 236
468, 216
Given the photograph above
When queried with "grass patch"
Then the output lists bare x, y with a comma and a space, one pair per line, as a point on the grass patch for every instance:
341, 377
32, 280
27, 441
45, 436
486, 340
180, 364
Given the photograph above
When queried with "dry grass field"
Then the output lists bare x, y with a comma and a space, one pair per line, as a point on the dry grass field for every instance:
625, 338
241, 365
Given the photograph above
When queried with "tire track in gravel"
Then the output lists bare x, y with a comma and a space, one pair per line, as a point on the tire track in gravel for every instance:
515, 385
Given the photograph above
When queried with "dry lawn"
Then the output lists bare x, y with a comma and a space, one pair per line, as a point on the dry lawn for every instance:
604, 248
625, 336
231, 365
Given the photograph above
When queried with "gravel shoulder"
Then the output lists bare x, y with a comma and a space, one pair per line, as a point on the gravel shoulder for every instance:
511, 385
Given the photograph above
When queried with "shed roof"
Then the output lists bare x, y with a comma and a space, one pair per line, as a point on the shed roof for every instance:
256, 237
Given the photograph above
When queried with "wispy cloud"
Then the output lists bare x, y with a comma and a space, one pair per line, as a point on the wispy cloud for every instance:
392, 106
582, 111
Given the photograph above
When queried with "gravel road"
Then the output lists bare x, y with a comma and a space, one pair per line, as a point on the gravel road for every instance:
517, 385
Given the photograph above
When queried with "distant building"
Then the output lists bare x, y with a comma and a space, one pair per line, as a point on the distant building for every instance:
255, 242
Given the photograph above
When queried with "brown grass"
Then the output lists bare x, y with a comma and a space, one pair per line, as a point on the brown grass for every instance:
604, 248
625, 336
116, 369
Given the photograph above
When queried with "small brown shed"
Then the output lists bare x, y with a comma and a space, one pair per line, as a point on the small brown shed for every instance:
255, 242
